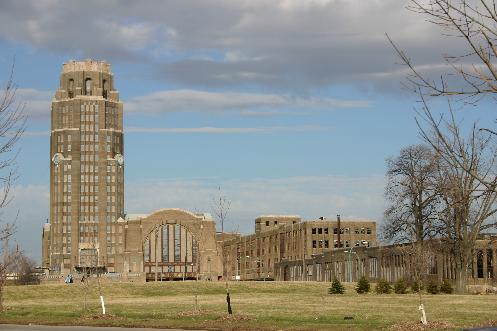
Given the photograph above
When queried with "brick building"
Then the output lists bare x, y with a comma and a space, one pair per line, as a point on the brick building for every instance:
88, 229
86, 168
391, 262
286, 238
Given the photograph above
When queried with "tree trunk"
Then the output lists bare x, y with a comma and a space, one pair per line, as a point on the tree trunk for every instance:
461, 280
462, 274
1, 295
228, 301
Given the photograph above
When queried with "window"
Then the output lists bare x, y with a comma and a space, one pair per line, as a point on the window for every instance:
313, 230
267, 223
314, 244
104, 89
335, 231
146, 250
165, 243
177, 243
70, 88
320, 230
368, 231
325, 230
88, 86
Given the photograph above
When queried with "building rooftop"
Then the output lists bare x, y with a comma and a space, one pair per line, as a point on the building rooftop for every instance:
86, 65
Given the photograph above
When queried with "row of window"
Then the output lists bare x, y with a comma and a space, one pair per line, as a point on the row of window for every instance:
164, 234
342, 231
88, 87
275, 223
87, 137
325, 243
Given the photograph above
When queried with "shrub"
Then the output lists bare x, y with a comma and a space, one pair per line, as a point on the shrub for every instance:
336, 287
416, 287
363, 285
400, 286
446, 287
432, 288
383, 287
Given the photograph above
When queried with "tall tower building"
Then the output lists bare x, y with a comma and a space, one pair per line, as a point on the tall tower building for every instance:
86, 169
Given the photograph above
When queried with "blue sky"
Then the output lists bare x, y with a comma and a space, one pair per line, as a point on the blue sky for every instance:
289, 106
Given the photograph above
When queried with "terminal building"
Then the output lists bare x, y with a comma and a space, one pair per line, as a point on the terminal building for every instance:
88, 230
280, 238
86, 169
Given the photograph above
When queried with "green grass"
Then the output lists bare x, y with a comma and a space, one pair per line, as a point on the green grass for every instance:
256, 306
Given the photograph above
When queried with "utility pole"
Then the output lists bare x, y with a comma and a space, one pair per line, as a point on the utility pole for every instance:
304, 271
186, 256
156, 255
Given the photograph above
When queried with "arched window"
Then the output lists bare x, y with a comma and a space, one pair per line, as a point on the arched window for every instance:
88, 86
104, 89
70, 88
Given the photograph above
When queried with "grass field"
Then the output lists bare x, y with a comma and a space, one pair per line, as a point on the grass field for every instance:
256, 306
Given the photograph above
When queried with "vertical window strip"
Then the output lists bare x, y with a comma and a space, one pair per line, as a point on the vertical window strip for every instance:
146, 250
177, 243
165, 243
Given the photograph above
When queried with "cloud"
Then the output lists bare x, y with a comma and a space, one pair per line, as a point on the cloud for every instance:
29, 209
36, 102
36, 133
69, 27
205, 130
293, 45
247, 104
310, 197
214, 130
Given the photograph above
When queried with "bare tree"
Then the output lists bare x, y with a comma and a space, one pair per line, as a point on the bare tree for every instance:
467, 178
472, 73
91, 272
411, 216
469, 205
6, 258
23, 267
221, 206
12, 126
410, 191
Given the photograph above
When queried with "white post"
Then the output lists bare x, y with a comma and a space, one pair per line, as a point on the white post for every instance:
103, 304
423, 314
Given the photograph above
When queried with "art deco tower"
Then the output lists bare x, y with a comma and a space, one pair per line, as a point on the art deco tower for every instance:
86, 168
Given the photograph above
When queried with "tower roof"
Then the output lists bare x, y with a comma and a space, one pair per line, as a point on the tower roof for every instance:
86, 65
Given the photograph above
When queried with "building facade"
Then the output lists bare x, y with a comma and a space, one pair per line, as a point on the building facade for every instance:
167, 244
88, 229
391, 263
287, 238
86, 168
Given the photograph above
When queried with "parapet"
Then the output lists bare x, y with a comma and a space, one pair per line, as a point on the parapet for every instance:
86, 65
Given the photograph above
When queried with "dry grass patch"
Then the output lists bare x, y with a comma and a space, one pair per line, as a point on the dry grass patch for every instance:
256, 306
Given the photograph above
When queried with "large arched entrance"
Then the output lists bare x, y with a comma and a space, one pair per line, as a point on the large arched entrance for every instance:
170, 252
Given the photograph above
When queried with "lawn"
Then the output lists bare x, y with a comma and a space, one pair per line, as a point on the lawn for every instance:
256, 306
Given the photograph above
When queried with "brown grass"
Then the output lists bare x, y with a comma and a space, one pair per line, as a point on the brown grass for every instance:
256, 306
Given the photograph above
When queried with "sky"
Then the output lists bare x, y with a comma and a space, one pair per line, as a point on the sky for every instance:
287, 106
